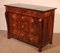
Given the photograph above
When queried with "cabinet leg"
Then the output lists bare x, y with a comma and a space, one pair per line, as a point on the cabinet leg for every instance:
50, 42
8, 36
39, 49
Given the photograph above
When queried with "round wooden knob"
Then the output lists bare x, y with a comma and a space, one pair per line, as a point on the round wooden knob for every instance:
22, 26
22, 17
32, 20
22, 34
40, 19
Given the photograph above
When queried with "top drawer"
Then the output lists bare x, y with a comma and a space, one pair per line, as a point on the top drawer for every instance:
14, 10
30, 12
22, 11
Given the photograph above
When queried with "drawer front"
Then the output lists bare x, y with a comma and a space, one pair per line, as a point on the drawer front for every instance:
30, 13
22, 11
26, 37
31, 39
14, 10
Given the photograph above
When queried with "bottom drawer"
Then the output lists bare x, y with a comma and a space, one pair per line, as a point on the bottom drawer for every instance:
30, 39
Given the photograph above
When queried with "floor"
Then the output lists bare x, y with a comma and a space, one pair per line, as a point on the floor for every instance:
16, 46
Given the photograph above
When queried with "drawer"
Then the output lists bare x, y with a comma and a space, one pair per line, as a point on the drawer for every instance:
30, 38
30, 13
14, 10
21, 11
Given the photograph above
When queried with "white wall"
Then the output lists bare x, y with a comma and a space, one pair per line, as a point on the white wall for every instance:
50, 3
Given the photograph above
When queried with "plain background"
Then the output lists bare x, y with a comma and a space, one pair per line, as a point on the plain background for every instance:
49, 3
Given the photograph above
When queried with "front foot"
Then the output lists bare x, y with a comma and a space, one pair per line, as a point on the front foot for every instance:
8, 37
40, 49
50, 42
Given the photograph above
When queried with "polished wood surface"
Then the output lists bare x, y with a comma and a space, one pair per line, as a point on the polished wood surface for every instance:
34, 27
32, 7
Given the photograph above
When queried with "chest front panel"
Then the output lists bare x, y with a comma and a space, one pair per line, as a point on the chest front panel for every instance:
24, 27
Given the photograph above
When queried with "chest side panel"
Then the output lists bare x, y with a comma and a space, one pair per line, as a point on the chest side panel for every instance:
48, 26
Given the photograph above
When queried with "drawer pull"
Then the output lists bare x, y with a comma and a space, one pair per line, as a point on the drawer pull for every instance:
40, 20
22, 34
22, 17
32, 20
22, 26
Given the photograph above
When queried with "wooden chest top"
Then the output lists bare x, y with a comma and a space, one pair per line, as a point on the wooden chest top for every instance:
32, 7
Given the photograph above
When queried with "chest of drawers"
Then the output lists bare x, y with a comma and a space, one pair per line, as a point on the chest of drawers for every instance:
30, 24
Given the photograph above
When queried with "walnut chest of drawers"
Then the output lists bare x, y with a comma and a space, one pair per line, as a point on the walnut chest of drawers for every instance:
30, 23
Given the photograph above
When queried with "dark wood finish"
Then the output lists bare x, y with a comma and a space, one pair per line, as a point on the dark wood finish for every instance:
30, 24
